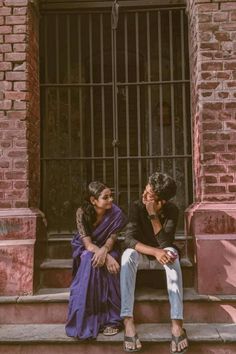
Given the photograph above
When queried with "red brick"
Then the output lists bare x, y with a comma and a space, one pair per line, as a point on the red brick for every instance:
5, 11
5, 48
212, 126
5, 29
210, 179
204, 18
232, 147
19, 29
232, 168
222, 36
210, 46
228, 6
15, 76
4, 164
208, 157
20, 164
207, 7
20, 105
16, 114
5, 104
5, 204
212, 66
224, 136
227, 179
233, 15
213, 106
5, 185
16, 3
210, 136
208, 115
211, 147
20, 85
215, 168
15, 20
16, 153
15, 38
20, 184
208, 85
232, 188
15, 56
225, 115
227, 157
20, 11
15, 175
230, 65
221, 17
19, 47
14, 95
230, 105
5, 66
223, 94
214, 189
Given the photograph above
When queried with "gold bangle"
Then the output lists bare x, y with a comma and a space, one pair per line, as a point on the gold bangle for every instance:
106, 247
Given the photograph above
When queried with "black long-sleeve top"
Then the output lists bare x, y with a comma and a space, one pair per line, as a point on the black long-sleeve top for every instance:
139, 227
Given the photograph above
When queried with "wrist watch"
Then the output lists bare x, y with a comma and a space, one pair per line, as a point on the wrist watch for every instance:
152, 216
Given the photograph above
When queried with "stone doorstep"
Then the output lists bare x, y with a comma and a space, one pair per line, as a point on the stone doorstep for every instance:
150, 332
67, 264
56, 295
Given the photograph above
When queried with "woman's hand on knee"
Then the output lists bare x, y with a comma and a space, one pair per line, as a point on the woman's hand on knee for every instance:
112, 265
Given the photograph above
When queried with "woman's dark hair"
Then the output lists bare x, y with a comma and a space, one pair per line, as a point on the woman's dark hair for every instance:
94, 189
163, 185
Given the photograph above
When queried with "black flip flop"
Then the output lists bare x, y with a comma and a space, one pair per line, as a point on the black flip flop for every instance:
177, 340
131, 340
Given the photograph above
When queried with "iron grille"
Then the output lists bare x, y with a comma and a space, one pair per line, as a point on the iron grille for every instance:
114, 105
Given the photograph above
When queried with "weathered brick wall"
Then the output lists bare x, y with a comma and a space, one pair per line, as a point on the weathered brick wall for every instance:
19, 104
212, 38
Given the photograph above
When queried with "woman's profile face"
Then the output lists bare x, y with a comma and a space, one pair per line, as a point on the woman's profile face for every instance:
105, 199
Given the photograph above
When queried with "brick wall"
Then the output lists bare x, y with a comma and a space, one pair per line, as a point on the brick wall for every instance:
19, 104
212, 37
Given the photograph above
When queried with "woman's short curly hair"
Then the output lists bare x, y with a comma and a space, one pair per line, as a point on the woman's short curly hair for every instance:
163, 185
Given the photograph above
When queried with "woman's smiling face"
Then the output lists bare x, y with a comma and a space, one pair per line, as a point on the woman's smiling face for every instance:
104, 201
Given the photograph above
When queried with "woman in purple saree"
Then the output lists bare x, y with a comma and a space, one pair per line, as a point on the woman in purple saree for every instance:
94, 303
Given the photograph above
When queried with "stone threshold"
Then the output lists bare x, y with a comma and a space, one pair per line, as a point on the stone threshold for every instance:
67, 264
46, 295
151, 332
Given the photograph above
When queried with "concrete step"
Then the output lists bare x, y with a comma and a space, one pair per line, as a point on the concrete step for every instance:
151, 305
59, 246
51, 339
57, 273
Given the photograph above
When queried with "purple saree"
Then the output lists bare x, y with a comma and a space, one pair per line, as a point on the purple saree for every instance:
94, 293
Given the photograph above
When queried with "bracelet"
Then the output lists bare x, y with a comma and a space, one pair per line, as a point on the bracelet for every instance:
107, 248
152, 216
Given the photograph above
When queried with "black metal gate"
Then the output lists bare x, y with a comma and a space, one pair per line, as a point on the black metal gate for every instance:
114, 104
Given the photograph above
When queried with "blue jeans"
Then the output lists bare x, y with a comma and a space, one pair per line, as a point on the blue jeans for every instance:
129, 265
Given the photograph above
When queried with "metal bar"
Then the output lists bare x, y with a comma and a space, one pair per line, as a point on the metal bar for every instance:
184, 108
57, 78
69, 99
133, 83
120, 157
160, 89
103, 100
127, 110
81, 135
138, 101
70, 5
91, 92
150, 130
115, 118
172, 93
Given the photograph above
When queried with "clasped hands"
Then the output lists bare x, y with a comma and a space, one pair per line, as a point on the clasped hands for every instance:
101, 257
